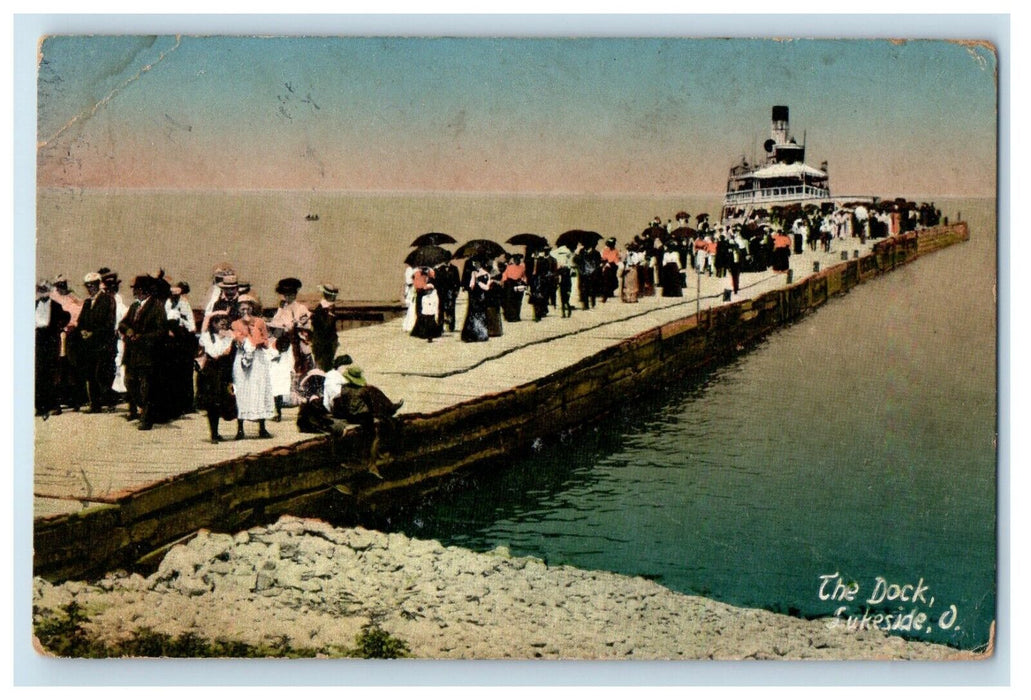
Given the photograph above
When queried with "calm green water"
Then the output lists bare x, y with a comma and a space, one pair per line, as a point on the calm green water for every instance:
859, 441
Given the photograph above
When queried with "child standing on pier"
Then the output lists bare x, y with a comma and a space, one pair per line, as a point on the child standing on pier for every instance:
215, 377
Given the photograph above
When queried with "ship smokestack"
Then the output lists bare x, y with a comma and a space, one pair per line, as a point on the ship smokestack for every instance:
779, 127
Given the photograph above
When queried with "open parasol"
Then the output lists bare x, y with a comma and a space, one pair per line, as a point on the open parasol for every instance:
479, 248
427, 256
433, 238
530, 240
571, 239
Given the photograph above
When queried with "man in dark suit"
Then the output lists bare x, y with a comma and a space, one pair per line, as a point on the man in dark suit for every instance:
588, 268
145, 328
448, 282
96, 329
324, 340
51, 319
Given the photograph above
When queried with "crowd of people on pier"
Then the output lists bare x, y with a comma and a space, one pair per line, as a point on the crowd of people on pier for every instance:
655, 261
164, 359
234, 362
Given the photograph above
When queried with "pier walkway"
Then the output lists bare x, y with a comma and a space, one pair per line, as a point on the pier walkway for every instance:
87, 459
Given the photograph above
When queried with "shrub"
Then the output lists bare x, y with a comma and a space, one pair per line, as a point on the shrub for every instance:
64, 633
374, 642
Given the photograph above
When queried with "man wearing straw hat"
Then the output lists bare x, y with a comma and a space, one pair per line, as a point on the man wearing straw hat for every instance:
222, 270
96, 328
366, 405
228, 297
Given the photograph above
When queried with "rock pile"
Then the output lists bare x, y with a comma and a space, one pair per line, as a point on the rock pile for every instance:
318, 586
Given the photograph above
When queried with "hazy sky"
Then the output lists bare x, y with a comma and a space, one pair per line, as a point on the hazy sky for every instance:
527, 115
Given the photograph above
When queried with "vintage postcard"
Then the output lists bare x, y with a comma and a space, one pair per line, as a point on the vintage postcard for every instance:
524, 348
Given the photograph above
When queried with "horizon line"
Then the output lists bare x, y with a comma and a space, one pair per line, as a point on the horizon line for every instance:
481, 193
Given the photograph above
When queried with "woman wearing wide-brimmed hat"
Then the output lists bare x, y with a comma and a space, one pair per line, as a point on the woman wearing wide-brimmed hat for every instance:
293, 320
251, 380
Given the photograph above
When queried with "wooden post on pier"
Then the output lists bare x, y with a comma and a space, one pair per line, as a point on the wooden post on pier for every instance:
698, 297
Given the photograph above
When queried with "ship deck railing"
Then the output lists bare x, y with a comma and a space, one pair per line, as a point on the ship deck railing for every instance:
776, 194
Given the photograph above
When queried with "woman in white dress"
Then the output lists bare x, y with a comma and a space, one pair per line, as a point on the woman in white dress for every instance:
251, 378
408, 323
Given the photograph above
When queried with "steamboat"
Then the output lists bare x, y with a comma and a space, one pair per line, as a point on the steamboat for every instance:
780, 178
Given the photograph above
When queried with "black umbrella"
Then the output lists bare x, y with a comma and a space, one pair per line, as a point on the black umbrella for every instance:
570, 239
433, 238
427, 256
530, 240
479, 248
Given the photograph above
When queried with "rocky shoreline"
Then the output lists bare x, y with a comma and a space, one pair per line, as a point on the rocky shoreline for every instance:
318, 586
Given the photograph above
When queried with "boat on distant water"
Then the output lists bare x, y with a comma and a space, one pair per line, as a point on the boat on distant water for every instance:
780, 178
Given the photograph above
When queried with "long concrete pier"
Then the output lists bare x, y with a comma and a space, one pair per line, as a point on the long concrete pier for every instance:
108, 496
